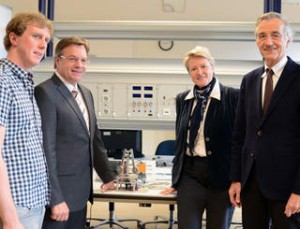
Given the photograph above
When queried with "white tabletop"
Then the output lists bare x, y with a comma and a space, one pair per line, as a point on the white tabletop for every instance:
147, 193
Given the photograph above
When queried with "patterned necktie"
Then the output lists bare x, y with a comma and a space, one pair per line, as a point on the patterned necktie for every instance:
74, 93
268, 89
82, 106
195, 120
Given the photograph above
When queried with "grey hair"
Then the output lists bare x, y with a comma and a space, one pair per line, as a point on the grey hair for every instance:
288, 32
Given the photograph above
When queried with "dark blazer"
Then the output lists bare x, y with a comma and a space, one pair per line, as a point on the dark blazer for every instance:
218, 128
70, 150
271, 141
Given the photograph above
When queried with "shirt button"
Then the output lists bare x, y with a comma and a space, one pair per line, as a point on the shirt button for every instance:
259, 133
209, 152
207, 139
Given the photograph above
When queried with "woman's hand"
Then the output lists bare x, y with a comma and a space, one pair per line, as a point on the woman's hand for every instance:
168, 191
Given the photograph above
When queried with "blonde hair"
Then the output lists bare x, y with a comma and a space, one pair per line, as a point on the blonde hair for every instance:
198, 51
18, 24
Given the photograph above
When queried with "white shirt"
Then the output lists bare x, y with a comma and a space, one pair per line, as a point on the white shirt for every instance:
277, 69
200, 149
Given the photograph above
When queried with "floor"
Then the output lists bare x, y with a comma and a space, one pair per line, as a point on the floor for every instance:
134, 211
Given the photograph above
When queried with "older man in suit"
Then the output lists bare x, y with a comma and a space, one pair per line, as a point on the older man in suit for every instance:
265, 166
72, 140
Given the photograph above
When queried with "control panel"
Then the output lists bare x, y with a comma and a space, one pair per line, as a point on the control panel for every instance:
141, 100
138, 101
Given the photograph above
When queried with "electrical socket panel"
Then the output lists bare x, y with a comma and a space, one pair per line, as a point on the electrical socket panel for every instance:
138, 101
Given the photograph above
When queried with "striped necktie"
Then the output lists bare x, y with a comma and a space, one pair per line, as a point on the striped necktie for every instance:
82, 106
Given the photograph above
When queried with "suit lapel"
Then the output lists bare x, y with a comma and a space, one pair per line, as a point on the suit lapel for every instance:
67, 96
89, 104
282, 86
184, 115
258, 91
212, 109
283, 83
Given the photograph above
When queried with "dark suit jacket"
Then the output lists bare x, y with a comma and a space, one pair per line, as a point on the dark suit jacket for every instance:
70, 150
217, 131
271, 141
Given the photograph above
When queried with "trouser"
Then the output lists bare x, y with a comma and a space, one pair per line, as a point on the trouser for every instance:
193, 198
30, 218
76, 220
261, 212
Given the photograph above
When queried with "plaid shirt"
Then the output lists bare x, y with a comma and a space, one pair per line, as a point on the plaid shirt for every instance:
22, 150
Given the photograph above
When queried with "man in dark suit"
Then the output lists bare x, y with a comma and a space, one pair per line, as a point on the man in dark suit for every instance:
265, 166
72, 140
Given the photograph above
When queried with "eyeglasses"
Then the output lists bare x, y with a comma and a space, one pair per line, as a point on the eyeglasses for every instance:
74, 59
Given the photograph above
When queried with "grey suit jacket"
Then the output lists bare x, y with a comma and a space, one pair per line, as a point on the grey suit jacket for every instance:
270, 141
70, 149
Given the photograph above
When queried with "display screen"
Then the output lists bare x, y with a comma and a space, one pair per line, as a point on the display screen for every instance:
117, 140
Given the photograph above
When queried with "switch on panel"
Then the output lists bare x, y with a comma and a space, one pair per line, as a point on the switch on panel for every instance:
166, 95
104, 100
141, 98
112, 100
138, 101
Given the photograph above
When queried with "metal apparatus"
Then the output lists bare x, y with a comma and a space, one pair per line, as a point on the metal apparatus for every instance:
128, 174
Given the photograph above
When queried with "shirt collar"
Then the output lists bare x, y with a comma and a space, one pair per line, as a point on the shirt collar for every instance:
215, 93
278, 68
70, 87
21, 73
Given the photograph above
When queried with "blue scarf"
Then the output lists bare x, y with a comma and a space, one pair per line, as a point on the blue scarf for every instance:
201, 94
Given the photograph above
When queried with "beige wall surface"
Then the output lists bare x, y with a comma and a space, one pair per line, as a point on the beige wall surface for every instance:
227, 53
213, 10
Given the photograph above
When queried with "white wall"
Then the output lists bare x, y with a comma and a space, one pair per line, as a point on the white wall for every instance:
5, 13
233, 58
213, 10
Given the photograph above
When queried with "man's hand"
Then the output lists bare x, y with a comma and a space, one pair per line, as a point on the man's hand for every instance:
108, 186
293, 205
235, 193
60, 212
168, 191
13, 225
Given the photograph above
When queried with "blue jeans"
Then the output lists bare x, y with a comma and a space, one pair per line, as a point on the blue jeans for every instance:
30, 218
